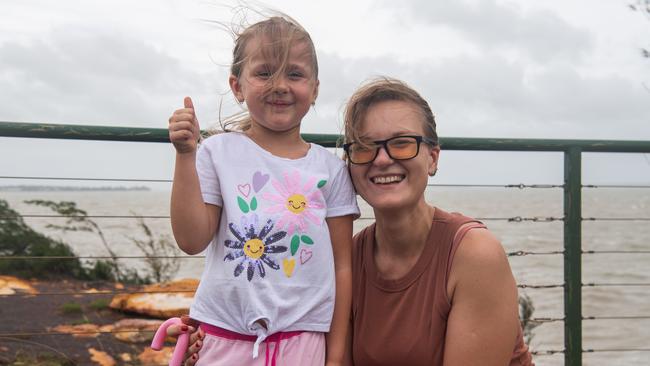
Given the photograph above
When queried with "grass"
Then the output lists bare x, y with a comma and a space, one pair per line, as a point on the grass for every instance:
100, 304
45, 359
81, 321
71, 308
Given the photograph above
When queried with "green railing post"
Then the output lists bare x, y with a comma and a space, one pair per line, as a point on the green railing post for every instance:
573, 256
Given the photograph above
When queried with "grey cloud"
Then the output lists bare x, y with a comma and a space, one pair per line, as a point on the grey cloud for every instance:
339, 78
489, 96
557, 102
74, 76
542, 35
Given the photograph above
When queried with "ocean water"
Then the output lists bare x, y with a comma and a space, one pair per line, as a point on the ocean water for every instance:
494, 206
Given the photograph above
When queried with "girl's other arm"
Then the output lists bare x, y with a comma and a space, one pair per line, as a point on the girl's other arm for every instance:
347, 355
483, 322
340, 229
194, 222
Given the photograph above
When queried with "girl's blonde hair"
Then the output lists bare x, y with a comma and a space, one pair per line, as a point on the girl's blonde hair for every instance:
277, 35
379, 90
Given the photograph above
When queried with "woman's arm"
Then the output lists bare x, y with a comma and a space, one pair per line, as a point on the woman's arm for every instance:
484, 320
340, 229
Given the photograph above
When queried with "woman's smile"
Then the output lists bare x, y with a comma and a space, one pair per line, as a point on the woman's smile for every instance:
387, 179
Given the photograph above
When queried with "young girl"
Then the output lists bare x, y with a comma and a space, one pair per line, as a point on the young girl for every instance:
274, 212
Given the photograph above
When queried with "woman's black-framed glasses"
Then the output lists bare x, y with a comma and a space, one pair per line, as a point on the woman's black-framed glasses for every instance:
398, 148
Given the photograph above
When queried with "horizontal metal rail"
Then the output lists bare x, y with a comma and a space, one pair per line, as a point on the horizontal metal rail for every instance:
135, 134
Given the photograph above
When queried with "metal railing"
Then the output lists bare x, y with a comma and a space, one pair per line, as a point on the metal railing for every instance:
572, 188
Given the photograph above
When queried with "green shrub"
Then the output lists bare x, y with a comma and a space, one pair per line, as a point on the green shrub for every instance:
18, 239
528, 323
101, 270
158, 252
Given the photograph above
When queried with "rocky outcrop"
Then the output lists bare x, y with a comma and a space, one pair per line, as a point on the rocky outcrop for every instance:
126, 330
164, 300
135, 330
82, 330
151, 358
10, 285
101, 358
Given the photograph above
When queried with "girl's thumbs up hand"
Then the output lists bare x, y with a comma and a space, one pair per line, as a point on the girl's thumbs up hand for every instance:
184, 130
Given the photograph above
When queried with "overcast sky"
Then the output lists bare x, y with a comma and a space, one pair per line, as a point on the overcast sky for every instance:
528, 69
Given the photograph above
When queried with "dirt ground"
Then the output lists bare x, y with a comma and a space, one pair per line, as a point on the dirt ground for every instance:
23, 316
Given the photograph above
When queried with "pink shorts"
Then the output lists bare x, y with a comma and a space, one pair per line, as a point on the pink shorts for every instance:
227, 348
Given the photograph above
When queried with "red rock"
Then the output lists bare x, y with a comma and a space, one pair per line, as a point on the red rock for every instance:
163, 303
153, 358
78, 331
9, 285
135, 330
101, 358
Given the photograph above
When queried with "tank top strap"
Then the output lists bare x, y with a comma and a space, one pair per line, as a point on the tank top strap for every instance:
450, 230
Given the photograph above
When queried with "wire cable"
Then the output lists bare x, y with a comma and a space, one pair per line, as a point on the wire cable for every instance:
91, 179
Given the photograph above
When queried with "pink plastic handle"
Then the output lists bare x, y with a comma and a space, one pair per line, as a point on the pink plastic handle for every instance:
181, 344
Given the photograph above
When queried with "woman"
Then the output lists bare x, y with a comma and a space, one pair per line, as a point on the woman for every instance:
429, 287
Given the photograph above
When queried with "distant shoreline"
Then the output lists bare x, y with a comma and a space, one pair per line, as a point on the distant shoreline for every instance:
35, 188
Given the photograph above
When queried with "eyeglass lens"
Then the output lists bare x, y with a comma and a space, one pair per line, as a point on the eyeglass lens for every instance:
399, 148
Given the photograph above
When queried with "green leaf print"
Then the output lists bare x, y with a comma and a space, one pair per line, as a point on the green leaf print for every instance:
243, 205
307, 240
295, 242
254, 204
321, 183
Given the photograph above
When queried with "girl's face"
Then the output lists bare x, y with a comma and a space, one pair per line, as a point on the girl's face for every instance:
386, 184
278, 105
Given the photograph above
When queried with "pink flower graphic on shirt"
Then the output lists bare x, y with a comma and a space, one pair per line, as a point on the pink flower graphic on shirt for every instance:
295, 202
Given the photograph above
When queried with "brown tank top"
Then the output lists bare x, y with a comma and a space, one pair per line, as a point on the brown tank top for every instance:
404, 321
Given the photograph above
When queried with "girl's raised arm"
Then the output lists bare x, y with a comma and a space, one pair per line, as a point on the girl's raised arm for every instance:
194, 222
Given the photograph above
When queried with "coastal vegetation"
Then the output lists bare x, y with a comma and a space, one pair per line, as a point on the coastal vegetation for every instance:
528, 323
21, 246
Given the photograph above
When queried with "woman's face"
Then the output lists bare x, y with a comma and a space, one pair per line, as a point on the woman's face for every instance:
388, 184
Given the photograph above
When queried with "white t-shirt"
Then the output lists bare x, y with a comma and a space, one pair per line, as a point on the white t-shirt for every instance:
271, 258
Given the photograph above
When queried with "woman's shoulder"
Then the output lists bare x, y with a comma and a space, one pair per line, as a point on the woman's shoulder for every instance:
480, 252
455, 222
452, 216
